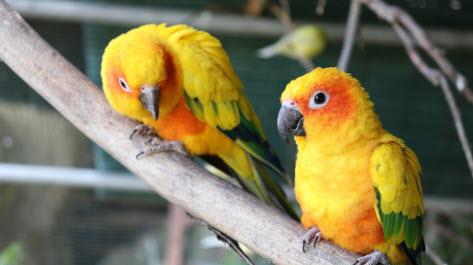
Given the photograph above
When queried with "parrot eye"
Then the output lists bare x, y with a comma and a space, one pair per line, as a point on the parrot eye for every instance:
319, 99
123, 84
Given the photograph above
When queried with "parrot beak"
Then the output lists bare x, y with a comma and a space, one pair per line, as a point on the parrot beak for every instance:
290, 121
149, 97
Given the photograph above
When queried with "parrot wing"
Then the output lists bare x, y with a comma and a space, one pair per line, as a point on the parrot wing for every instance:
395, 171
214, 92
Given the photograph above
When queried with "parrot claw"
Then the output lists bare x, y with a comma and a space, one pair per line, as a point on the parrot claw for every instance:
156, 145
143, 130
374, 258
313, 236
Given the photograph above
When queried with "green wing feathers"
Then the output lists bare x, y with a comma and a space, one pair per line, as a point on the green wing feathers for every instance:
395, 171
208, 77
214, 93
247, 133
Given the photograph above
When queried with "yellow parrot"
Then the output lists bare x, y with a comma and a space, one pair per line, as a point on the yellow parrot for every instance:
179, 82
358, 185
306, 42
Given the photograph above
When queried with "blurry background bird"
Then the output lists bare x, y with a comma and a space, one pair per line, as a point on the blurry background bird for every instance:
304, 42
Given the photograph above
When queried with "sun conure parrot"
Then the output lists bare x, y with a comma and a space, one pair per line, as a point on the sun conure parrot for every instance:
179, 82
358, 185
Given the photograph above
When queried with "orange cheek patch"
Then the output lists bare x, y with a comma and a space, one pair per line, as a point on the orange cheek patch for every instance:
339, 107
114, 74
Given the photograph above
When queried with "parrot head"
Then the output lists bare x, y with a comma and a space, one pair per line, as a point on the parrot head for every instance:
325, 103
139, 78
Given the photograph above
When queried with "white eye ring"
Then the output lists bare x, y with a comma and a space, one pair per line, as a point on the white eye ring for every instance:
319, 99
123, 84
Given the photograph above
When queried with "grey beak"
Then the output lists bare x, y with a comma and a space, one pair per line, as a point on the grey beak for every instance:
290, 122
149, 97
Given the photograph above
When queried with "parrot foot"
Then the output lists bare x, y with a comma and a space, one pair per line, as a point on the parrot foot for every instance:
313, 236
157, 145
374, 258
143, 130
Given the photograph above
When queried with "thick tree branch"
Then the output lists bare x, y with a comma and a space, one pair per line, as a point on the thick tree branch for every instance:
264, 229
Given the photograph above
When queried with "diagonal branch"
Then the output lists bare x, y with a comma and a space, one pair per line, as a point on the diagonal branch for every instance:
437, 79
434, 257
393, 14
264, 229
412, 36
351, 30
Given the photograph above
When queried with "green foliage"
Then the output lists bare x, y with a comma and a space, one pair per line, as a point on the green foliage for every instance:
12, 254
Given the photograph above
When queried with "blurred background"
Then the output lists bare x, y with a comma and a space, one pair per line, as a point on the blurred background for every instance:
65, 201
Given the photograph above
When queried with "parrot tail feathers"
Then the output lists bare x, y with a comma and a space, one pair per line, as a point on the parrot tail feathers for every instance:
217, 166
413, 255
254, 176
262, 152
274, 189
238, 164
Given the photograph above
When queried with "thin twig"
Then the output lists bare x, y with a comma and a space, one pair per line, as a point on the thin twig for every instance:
453, 236
416, 59
281, 13
438, 79
306, 63
253, 7
286, 7
412, 36
320, 7
350, 34
283, 17
458, 122
434, 257
394, 14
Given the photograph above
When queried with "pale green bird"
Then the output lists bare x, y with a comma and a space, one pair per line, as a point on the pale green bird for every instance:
304, 42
